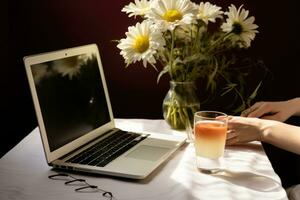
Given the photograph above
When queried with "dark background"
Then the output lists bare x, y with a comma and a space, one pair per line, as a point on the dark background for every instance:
30, 27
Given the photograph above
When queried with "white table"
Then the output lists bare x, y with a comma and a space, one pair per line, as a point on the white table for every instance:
24, 174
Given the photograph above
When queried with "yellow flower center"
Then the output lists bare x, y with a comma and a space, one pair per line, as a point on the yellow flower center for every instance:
172, 15
141, 43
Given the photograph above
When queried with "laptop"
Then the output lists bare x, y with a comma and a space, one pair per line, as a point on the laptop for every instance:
76, 120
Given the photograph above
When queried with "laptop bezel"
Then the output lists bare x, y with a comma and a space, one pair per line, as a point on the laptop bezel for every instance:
49, 56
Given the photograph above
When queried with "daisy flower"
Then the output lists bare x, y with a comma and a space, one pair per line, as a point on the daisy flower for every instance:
69, 66
137, 8
243, 28
82, 59
142, 43
40, 72
208, 12
172, 13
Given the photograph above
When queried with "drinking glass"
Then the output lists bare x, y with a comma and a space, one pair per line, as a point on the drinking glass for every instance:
210, 128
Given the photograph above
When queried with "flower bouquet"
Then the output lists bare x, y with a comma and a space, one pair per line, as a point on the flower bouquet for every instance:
190, 41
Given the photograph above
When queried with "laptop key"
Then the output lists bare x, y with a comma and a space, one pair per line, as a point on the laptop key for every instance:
108, 149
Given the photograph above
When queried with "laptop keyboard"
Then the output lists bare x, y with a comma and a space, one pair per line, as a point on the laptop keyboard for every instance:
108, 149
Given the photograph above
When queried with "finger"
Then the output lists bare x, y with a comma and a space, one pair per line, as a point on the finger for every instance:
246, 112
230, 117
230, 125
275, 116
233, 122
257, 105
261, 111
230, 134
221, 117
232, 141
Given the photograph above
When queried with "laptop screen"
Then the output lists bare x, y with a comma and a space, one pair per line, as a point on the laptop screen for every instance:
71, 98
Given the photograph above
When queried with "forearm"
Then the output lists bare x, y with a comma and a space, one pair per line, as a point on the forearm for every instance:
283, 136
295, 105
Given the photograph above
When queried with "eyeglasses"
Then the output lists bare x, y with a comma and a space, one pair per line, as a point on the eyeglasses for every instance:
82, 185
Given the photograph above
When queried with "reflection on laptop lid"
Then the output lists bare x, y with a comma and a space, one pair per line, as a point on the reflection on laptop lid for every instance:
74, 114
71, 98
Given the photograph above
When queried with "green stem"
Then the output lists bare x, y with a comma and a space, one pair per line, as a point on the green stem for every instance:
194, 42
220, 39
181, 115
171, 54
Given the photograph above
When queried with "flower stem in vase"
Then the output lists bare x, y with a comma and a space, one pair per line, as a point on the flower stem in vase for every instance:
180, 104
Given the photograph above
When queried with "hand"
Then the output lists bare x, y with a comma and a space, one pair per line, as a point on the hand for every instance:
279, 111
246, 129
242, 129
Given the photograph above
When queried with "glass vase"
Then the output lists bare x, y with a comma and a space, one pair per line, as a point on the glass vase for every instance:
180, 104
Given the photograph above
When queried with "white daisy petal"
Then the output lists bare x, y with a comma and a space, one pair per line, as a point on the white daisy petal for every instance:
172, 13
142, 43
242, 28
208, 12
139, 7
70, 66
40, 72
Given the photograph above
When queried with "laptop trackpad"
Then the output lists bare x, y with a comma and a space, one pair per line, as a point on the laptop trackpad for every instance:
145, 152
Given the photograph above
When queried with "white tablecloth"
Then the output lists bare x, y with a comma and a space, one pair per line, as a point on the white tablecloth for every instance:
249, 174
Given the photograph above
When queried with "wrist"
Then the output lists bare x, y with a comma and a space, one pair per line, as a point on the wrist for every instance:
263, 130
267, 128
294, 105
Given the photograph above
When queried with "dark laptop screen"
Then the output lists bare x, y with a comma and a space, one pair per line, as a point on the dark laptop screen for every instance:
71, 98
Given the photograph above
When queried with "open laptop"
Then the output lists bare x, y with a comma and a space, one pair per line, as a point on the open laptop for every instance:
76, 120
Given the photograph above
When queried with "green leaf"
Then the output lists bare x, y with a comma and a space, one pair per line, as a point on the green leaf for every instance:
194, 58
229, 88
177, 61
240, 108
211, 82
165, 70
254, 93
